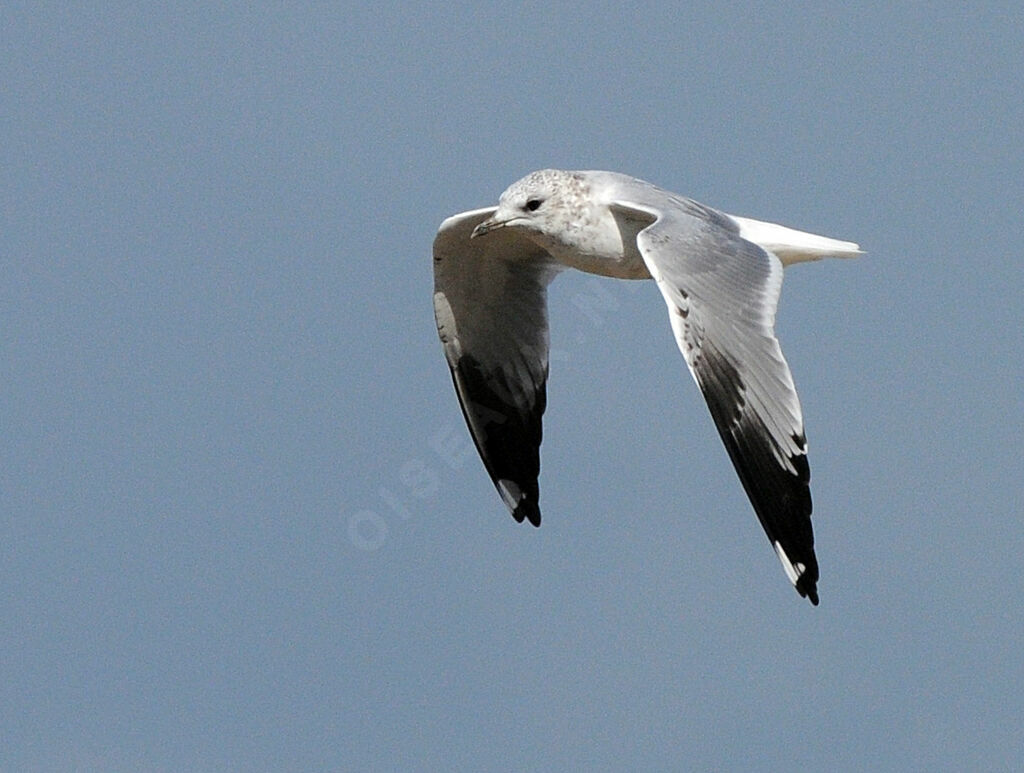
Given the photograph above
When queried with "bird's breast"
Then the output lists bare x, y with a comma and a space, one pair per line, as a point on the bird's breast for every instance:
597, 247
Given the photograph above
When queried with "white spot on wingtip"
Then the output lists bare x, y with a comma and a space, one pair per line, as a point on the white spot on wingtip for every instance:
793, 571
510, 492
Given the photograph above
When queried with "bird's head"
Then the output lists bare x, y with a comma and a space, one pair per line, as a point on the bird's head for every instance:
545, 205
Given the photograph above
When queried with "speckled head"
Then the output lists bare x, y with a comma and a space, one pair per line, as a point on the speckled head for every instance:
568, 215
569, 190
550, 205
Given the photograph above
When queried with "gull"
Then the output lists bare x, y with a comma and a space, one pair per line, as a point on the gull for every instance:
720, 276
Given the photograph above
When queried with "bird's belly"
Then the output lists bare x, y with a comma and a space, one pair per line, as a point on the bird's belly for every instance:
617, 267
605, 254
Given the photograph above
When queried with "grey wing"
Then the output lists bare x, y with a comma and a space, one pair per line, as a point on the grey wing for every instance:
490, 303
722, 292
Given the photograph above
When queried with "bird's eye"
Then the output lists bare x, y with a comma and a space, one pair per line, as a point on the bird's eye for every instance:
533, 204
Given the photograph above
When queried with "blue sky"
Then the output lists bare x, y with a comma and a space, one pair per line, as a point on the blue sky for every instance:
242, 524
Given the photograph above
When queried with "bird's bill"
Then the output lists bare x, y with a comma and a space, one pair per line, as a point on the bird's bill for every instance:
488, 225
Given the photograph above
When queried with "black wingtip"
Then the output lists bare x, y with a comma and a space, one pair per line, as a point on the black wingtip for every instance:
808, 589
527, 510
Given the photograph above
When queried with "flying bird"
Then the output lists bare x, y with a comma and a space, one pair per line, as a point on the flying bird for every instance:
720, 276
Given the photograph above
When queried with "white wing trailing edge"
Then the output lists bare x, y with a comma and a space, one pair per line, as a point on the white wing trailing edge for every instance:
722, 292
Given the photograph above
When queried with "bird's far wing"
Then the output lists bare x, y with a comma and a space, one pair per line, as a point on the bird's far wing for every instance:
722, 292
490, 302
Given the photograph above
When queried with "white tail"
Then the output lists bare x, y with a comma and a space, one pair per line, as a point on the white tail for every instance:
792, 246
